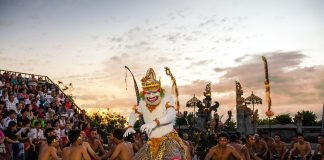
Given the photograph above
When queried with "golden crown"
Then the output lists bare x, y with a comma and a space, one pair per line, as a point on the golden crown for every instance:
149, 81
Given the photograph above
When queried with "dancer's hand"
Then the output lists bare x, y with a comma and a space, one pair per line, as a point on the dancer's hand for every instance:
148, 127
129, 131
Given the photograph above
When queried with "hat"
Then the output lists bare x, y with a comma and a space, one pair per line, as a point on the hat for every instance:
149, 81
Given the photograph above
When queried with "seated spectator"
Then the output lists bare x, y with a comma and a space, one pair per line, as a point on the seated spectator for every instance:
86, 145
79, 152
22, 117
30, 113
3, 149
62, 120
123, 150
37, 134
11, 138
32, 81
50, 114
41, 119
75, 120
34, 105
50, 151
23, 137
19, 107
95, 142
87, 130
57, 129
55, 117
11, 117
11, 103
20, 79
48, 124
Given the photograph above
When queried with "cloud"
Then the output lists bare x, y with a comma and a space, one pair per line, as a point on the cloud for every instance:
290, 83
201, 62
293, 87
87, 97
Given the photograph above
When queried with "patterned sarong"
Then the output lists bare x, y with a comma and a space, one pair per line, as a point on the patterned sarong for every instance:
168, 147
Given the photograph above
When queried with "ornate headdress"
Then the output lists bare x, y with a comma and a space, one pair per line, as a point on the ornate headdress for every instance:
149, 81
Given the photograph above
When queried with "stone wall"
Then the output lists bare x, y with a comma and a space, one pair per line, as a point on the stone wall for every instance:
287, 132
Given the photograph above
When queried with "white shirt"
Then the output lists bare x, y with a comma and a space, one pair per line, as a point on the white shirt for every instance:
11, 105
36, 134
6, 122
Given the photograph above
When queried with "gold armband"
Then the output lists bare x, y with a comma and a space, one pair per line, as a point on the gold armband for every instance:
157, 122
167, 105
135, 110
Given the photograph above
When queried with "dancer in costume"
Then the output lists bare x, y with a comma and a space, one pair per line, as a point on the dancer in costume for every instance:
159, 116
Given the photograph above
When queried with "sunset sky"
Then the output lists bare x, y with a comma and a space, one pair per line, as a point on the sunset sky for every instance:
88, 42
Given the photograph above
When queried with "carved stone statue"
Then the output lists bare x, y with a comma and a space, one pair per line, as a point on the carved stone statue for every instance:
298, 119
245, 116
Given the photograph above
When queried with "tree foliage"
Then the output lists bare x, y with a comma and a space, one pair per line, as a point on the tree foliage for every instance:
231, 125
282, 119
67, 89
308, 118
264, 121
106, 122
